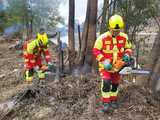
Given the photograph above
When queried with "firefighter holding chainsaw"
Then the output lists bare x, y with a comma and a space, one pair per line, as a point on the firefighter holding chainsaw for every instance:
112, 50
35, 51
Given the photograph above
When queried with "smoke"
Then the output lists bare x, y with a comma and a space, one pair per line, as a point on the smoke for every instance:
11, 30
3, 5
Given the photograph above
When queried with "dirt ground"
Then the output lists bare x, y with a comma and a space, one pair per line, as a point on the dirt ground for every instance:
71, 98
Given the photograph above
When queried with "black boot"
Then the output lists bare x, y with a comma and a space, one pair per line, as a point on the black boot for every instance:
114, 104
105, 107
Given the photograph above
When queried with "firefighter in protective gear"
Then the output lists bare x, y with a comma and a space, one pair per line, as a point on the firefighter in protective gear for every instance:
34, 51
111, 49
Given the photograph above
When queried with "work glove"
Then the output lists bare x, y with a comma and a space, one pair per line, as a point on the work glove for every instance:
118, 65
107, 65
44, 68
126, 58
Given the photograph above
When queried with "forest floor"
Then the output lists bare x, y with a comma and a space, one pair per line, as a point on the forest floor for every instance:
71, 98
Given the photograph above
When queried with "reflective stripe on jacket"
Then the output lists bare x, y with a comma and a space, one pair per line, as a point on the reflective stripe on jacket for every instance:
32, 48
111, 48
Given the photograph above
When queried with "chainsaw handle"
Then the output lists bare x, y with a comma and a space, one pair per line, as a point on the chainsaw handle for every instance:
130, 63
117, 67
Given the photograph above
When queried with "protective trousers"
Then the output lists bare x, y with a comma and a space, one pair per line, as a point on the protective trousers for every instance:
30, 69
29, 75
109, 86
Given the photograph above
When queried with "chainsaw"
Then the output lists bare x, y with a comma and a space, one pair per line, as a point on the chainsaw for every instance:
124, 68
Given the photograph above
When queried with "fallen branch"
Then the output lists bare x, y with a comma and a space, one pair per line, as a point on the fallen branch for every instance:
36, 92
9, 73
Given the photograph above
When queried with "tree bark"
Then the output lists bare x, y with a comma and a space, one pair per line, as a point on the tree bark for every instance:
155, 76
80, 58
79, 37
71, 24
104, 14
114, 6
58, 69
91, 31
88, 37
71, 33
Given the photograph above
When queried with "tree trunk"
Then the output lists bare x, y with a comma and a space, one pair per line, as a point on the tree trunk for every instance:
79, 37
114, 6
58, 69
155, 76
71, 33
80, 58
88, 37
91, 32
103, 26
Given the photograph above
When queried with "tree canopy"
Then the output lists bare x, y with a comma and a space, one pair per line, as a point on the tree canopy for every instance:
31, 13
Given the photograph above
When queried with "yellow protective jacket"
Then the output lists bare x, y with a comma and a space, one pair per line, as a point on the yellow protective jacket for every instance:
32, 50
111, 48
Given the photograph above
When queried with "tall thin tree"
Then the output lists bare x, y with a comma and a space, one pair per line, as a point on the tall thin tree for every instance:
155, 77
104, 15
88, 35
71, 32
